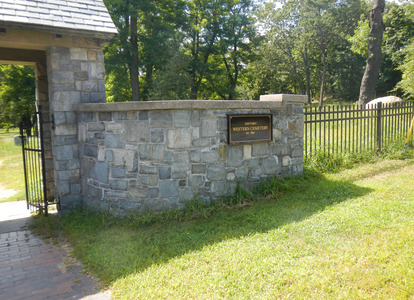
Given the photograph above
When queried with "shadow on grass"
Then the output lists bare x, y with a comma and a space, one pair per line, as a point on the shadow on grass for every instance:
114, 248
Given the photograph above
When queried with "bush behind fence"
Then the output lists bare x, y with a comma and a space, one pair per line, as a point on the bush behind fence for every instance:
353, 129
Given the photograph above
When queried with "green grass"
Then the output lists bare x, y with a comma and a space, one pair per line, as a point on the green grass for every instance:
346, 235
11, 166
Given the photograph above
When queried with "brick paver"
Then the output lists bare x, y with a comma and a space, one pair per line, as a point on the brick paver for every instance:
32, 269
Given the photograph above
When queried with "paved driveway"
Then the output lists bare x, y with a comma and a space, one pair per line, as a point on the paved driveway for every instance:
32, 269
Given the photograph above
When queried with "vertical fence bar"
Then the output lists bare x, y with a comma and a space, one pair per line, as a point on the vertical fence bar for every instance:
379, 128
329, 132
310, 131
305, 136
324, 128
42, 159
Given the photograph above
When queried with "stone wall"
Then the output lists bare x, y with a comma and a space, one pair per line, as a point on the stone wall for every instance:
75, 75
158, 155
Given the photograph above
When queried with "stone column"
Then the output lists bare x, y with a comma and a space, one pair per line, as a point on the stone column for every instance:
42, 99
76, 75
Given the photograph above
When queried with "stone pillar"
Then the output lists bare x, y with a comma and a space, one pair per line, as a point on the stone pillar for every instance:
42, 99
76, 75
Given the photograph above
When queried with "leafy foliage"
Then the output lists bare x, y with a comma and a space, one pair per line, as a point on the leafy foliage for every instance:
17, 94
241, 49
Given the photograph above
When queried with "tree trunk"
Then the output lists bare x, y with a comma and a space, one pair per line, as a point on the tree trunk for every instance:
323, 78
371, 74
133, 66
307, 72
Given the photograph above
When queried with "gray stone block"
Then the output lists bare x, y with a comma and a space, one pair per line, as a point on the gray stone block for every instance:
137, 131
168, 188
161, 119
109, 155
70, 65
144, 169
64, 101
260, 149
181, 161
297, 153
63, 152
210, 156
62, 77
198, 169
121, 185
75, 189
118, 172
113, 140
234, 156
196, 181
80, 75
90, 150
216, 172
195, 118
154, 192
208, 127
97, 97
270, 165
140, 192
105, 116
179, 138
59, 118
255, 172
89, 86
157, 137
201, 142
145, 152
182, 118
148, 180
252, 162
165, 173
195, 156
100, 172
143, 115
158, 152
88, 117
179, 175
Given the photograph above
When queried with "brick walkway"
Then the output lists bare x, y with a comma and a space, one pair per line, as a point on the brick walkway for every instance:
32, 269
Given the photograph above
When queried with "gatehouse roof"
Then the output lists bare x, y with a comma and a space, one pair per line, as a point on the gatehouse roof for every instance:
87, 17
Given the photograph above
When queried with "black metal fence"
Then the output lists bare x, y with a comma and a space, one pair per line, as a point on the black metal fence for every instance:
34, 162
352, 129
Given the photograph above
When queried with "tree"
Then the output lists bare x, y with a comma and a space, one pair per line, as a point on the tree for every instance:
407, 68
146, 29
17, 94
234, 44
306, 46
399, 31
371, 73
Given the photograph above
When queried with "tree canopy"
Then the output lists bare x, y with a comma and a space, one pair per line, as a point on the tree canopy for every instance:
17, 94
241, 49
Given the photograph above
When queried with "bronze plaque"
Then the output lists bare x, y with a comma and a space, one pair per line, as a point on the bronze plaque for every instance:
249, 128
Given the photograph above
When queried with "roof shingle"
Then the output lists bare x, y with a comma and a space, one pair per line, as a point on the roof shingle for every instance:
85, 15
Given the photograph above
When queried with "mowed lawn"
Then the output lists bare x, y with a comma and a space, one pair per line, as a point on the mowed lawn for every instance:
348, 235
11, 168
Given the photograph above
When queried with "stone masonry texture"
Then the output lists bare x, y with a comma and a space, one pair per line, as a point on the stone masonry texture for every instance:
76, 75
155, 160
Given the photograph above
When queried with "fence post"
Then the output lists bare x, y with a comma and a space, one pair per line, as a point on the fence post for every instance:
379, 129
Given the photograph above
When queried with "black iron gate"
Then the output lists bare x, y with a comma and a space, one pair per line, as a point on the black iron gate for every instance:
31, 134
